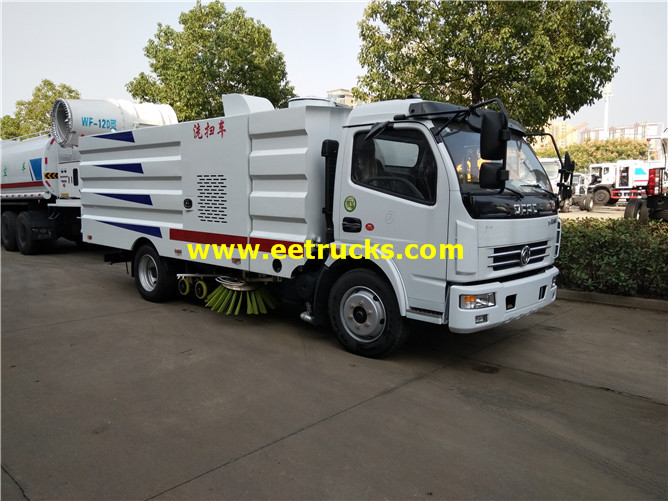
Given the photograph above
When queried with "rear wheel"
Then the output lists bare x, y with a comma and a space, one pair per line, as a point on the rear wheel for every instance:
365, 315
25, 240
154, 277
589, 202
632, 210
9, 231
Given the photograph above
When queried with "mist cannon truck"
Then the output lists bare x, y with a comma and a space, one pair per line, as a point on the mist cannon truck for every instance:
366, 217
40, 175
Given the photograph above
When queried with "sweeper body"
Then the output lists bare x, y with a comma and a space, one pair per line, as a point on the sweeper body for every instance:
366, 217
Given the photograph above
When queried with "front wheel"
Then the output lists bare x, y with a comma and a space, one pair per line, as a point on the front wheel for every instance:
601, 197
365, 315
154, 278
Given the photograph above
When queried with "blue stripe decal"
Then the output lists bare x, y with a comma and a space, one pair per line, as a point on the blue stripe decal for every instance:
138, 199
137, 168
640, 171
126, 136
154, 231
36, 166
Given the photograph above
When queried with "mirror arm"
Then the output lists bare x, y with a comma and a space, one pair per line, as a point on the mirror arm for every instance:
554, 143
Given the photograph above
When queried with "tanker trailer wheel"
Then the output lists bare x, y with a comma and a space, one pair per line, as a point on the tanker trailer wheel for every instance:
154, 278
24, 237
365, 315
9, 231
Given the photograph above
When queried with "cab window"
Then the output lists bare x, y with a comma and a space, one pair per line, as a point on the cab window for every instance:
397, 161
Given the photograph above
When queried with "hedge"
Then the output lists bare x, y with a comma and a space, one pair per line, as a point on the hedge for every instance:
626, 257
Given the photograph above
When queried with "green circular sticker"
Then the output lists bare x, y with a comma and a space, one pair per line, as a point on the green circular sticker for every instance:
350, 203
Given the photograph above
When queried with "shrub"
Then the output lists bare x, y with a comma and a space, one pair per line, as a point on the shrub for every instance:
626, 257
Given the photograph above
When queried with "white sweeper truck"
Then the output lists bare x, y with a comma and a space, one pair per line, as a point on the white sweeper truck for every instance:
366, 217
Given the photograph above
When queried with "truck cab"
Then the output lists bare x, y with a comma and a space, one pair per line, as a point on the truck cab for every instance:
413, 179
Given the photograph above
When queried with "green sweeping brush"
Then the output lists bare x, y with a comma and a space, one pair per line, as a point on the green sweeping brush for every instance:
229, 296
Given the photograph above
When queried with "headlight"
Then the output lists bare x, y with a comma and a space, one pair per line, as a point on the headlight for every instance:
474, 302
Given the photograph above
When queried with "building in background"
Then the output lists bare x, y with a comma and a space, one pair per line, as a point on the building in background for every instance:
648, 131
564, 133
344, 97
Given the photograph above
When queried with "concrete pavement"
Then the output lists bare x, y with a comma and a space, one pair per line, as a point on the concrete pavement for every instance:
106, 396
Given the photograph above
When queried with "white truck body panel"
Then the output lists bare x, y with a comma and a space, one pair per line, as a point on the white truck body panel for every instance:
253, 179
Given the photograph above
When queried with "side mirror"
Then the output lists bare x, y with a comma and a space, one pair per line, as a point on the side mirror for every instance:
494, 135
493, 176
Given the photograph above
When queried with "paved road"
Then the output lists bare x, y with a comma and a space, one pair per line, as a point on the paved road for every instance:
106, 396
599, 212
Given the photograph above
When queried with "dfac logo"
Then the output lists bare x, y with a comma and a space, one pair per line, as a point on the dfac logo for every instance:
525, 209
525, 255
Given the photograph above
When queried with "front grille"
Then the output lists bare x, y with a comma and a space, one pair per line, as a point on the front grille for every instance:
510, 257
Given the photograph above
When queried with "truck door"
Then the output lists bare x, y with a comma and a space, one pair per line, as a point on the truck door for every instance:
394, 192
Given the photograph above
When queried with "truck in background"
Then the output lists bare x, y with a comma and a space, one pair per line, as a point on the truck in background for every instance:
386, 180
40, 191
654, 202
622, 180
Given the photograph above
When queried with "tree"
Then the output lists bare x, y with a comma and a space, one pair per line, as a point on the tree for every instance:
594, 152
35, 115
543, 59
217, 52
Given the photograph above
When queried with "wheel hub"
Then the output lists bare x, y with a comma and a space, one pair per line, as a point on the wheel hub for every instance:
363, 314
148, 272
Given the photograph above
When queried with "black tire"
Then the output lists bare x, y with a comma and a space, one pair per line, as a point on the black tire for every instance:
632, 210
154, 277
589, 202
601, 197
365, 316
9, 231
643, 213
25, 241
612, 201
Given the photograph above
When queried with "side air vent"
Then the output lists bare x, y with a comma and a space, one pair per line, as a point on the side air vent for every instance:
212, 198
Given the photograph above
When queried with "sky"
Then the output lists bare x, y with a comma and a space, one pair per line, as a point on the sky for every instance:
97, 48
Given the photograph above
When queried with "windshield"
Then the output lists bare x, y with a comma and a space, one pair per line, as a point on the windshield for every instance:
527, 192
525, 172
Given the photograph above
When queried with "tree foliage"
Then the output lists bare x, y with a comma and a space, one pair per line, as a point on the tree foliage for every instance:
543, 59
594, 152
217, 52
35, 115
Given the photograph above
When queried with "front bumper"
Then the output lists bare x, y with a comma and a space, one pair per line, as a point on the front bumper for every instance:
514, 299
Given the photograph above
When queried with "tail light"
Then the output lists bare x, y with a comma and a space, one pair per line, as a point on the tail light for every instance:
654, 183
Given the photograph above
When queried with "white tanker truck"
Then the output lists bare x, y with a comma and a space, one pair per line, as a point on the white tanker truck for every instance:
41, 186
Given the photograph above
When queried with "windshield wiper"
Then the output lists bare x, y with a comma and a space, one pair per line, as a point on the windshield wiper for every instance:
513, 190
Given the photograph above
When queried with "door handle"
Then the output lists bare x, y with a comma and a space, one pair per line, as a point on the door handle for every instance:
351, 225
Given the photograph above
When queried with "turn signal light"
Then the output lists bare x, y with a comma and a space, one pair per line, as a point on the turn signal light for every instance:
474, 302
